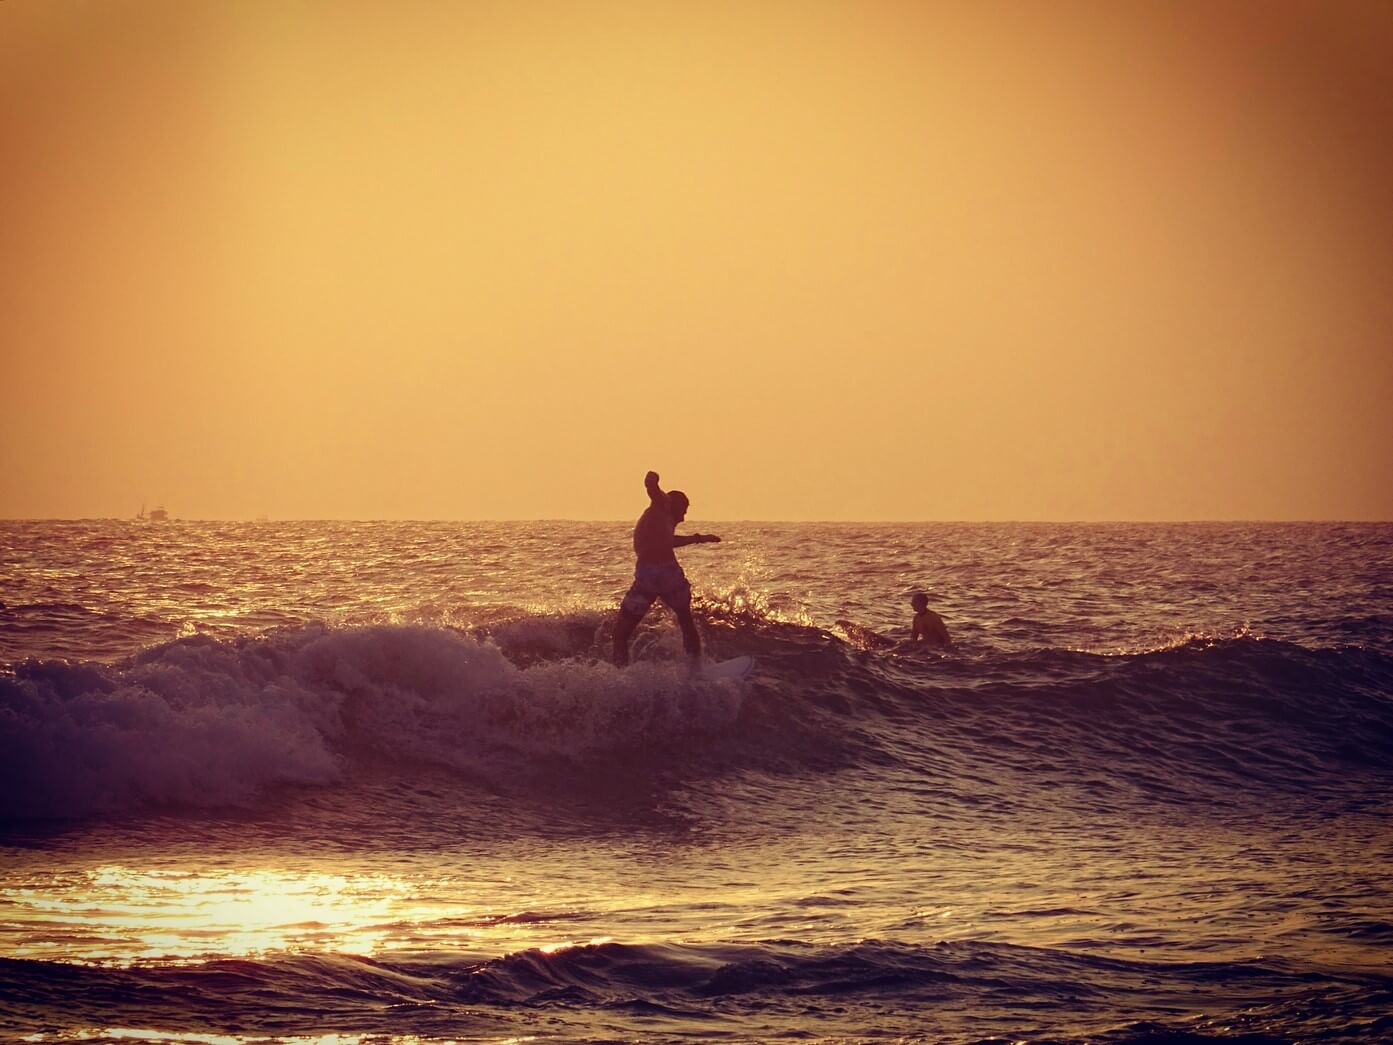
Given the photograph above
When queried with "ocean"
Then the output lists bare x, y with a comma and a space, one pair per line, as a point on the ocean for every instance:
350, 782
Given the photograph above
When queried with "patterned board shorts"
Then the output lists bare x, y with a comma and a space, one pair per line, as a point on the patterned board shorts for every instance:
662, 580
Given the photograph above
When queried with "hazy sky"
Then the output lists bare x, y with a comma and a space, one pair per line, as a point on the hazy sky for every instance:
810, 261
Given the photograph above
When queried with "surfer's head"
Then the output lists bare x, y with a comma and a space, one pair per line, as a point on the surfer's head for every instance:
677, 504
919, 601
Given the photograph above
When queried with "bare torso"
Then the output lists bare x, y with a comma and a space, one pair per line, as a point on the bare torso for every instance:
653, 535
929, 627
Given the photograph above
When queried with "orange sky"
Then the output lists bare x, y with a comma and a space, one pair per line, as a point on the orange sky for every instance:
809, 260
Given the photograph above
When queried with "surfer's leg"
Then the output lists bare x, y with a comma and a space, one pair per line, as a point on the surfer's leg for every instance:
678, 596
631, 611
623, 629
691, 640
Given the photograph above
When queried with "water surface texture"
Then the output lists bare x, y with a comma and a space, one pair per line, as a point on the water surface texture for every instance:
289, 780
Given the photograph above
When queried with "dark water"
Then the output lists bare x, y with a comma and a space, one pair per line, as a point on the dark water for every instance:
296, 780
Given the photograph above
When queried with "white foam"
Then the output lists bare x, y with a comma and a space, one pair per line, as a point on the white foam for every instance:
204, 722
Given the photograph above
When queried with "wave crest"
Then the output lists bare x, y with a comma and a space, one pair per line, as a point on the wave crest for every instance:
205, 722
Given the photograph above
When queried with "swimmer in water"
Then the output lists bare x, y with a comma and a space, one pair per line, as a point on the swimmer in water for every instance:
928, 626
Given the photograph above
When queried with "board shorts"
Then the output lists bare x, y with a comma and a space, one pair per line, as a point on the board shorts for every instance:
657, 580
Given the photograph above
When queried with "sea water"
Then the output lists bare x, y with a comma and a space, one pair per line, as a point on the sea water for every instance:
377, 781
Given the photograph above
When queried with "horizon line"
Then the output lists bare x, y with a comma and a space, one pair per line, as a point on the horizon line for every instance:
713, 521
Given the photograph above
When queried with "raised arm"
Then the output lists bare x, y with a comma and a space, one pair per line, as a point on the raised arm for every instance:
655, 492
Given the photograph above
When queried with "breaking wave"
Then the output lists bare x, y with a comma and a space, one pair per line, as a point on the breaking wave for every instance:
204, 722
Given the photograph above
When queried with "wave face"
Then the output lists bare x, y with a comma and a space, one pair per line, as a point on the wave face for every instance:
205, 722
296, 779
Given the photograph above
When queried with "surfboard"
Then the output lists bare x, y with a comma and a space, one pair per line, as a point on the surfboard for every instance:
728, 670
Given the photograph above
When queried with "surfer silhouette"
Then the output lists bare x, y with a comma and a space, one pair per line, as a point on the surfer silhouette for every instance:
657, 573
928, 626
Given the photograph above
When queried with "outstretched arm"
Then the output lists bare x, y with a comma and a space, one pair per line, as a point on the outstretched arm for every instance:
655, 492
682, 540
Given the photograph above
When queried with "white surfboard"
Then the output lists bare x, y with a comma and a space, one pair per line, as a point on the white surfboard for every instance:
728, 670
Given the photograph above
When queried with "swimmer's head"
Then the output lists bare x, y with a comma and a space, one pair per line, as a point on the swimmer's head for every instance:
677, 504
919, 601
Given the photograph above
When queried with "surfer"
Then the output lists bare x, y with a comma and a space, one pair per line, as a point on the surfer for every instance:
928, 626
657, 573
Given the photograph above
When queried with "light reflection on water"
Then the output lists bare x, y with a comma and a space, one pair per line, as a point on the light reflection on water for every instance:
1041, 884
157, 1036
122, 914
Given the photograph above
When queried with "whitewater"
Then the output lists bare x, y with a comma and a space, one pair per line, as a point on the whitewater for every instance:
283, 781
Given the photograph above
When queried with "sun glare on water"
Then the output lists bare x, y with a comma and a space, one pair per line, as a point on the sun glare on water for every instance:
122, 914
140, 1034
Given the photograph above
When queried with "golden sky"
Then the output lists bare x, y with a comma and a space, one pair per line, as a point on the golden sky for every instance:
977, 260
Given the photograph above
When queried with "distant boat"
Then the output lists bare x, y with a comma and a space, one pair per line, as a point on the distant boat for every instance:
153, 515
